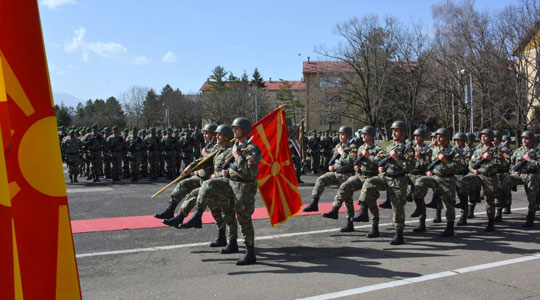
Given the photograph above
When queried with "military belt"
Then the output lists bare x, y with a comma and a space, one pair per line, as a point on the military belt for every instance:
445, 175
238, 179
370, 174
395, 175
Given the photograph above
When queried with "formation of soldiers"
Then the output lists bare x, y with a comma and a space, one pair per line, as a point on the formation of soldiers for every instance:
319, 146
133, 154
408, 169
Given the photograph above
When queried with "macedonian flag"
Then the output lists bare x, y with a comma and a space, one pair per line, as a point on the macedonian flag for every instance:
277, 181
37, 256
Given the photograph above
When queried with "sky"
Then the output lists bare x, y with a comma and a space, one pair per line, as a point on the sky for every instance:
97, 49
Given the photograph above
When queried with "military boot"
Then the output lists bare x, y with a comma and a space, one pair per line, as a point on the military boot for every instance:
449, 230
409, 196
349, 227
232, 247
438, 218
501, 200
421, 227
463, 219
313, 206
529, 221
195, 220
491, 225
386, 204
498, 215
249, 258
506, 209
363, 213
462, 202
420, 208
75, 178
176, 221
95, 178
332, 214
435, 201
168, 212
398, 238
374, 231
470, 214
70, 178
221, 240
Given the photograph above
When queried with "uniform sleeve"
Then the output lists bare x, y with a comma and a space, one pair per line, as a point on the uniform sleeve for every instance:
247, 164
349, 156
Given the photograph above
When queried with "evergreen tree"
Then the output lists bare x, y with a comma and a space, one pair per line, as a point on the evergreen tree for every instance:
257, 79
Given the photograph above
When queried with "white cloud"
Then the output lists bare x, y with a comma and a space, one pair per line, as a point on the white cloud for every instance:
52, 4
107, 50
77, 41
169, 57
139, 60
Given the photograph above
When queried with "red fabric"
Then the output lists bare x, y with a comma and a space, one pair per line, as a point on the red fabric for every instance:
277, 181
35, 212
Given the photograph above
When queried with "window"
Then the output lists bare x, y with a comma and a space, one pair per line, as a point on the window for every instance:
329, 81
326, 119
327, 100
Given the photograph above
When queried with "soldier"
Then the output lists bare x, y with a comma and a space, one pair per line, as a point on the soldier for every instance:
187, 145
474, 195
71, 146
125, 158
144, 155
152, 144
106, 156
186, 186
462, 169
503, 170
440, 177
170, 147
393, 179
340, 169
485, 174
422, 159
242, 174
95, 144
61, 136
116, 145
135, 145
161, 168
326, 147
314, 151
365, 165
525, 167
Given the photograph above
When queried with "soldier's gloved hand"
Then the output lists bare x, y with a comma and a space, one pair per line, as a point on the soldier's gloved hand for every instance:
394, 155
486, 156
442, 158
331, 168
527, 157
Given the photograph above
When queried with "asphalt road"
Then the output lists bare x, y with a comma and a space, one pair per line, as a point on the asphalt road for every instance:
305, 257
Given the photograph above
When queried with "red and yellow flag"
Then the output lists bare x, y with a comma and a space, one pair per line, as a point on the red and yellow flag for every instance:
277, 181
38, 258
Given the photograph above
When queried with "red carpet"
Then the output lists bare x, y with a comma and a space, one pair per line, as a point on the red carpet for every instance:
138, 222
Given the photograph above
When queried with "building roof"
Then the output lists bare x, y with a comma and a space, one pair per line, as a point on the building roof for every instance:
270, 85
525, 42
313, 67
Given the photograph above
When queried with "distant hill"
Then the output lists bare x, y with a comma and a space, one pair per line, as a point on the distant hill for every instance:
67, 99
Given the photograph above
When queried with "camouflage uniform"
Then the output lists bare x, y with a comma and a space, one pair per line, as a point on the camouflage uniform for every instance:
106, 155
187, 149
394, 181
528, 176
368, 168
125, 157
420, 168
314, 152
144, 155
152, 144
135, 145
72, 149
116, 148
95, 144
170, 147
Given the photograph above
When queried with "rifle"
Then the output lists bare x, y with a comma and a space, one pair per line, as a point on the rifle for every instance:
479, 162
230, 159
436, 162
520, 164
361, 158
195, 168
383, 162
335, 157
425, 147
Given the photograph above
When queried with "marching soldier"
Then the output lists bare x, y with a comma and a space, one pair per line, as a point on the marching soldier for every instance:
525, 167
116, 147
440, 177
393, 179
187, 185
340, 168
95, 144
326, 147
135, 145
152, 144
474, 195
422, 159
144, 155
125, 158
462, 169
187, 145
106, 156
71, 146
487, 160
365, 166
170, 147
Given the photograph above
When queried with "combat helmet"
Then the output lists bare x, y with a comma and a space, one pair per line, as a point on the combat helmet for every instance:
243, 123
226, 130
346, 129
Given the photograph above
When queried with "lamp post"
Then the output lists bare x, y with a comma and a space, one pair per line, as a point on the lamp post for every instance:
463, 71
167, 114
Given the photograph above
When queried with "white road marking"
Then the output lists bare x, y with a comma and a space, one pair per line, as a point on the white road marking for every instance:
90, 190
396, 283
268, 237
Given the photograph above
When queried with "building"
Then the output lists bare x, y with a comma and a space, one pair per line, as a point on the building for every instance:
528, 63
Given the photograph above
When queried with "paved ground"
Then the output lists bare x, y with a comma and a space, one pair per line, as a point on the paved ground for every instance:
305, 257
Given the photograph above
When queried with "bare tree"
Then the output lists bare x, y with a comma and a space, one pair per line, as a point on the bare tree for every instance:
133, 103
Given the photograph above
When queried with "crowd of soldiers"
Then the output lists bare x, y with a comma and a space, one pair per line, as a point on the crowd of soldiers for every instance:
134, 154
407, 169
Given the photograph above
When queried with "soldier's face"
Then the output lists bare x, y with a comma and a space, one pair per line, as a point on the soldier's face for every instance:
442, 140
221, 138
396, 133
343, 137
238, 132
485, 139
496, 140
527, 142
460, 143
367, 138
419, 139
207, 136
